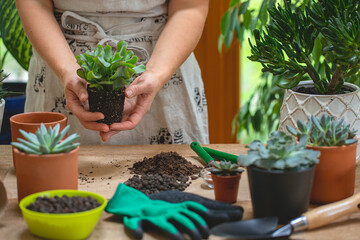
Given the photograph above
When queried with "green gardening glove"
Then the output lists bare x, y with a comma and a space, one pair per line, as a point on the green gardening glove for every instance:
172, 219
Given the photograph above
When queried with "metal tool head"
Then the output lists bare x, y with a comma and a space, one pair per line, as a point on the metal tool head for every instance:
258, 228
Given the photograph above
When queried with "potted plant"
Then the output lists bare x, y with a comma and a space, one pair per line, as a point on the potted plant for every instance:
226, 177
46, 160
334, 178
108, 74
318, 43
280, 176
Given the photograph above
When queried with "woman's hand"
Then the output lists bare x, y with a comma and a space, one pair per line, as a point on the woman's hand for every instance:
76, 100
139, 97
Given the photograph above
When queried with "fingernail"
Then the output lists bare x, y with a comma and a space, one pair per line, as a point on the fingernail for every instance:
82, 97
129, 93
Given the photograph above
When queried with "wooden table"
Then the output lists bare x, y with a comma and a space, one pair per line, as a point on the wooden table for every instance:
103, 167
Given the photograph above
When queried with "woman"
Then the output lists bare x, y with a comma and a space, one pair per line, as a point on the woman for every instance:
166, 104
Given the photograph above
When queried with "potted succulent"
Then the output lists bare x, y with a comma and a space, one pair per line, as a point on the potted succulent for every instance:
226, 177
46, 160
108, 74
318, 43
334, 178
280, 176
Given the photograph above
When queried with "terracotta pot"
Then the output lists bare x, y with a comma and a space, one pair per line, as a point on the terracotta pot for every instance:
300, 105
31, 121
334, 178
226, 187
36, 173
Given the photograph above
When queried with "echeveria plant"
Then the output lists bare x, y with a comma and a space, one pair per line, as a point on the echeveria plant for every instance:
46, 141
281, 152
102, 68
325, 131
225, 168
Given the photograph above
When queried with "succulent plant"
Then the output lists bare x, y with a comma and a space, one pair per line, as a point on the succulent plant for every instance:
225, 168
325, 131
104, 69
281, 152
46, 141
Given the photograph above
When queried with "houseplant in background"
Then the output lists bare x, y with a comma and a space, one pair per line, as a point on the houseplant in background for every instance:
226, 177
108, 74
334, 178
260, 114
280, 176
46, 160
287, 49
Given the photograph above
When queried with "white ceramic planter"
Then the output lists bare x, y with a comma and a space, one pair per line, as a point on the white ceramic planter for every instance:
299, 105
2, 107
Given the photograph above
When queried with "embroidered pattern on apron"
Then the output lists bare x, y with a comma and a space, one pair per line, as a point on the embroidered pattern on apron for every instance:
39, 84
175, 79
165, 137
200, 100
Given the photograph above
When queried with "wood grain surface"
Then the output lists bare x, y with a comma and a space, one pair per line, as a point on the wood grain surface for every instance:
103, 167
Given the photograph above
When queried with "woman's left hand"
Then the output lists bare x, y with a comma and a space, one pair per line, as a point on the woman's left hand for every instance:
139, 97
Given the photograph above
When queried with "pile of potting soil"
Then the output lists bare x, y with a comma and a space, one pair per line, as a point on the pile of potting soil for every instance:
164, 171
63, 204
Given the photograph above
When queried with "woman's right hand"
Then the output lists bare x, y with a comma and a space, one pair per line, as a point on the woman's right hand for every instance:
76, 100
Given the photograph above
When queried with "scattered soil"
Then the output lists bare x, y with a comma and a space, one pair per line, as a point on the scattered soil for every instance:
108, 102
63, 204
164, 171
155, 183
166, 163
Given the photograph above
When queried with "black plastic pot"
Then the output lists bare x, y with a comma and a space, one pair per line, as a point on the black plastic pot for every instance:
285, 194
109, 102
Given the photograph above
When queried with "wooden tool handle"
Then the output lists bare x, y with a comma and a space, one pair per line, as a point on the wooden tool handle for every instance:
325, 214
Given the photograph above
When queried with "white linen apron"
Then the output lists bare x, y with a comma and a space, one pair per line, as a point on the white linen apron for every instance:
178, 113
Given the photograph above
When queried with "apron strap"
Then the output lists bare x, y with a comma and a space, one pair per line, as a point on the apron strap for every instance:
87, 30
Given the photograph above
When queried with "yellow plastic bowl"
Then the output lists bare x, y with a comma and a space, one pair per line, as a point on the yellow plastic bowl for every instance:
62, 226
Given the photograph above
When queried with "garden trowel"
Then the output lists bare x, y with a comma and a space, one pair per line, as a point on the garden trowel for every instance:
260, 228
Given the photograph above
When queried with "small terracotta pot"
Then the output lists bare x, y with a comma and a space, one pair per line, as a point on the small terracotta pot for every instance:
36, 173
31, 121
334, 178
226, 187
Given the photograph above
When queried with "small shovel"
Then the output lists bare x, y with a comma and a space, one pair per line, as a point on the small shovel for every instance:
260, 228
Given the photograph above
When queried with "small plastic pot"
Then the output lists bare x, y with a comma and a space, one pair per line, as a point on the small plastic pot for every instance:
109, 102
285, 194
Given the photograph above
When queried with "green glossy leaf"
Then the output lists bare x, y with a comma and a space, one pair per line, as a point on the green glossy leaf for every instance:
13, 34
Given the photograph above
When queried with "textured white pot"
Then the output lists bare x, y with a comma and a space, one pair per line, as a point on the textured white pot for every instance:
2, 107
299, 105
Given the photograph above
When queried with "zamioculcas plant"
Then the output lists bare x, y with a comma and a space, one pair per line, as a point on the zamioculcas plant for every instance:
46, 141
325, 131
108, 73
